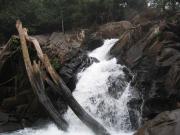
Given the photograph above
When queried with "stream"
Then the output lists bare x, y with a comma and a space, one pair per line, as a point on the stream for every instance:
93, 93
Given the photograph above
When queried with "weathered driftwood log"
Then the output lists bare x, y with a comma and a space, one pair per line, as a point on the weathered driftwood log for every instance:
37, 83
61, 88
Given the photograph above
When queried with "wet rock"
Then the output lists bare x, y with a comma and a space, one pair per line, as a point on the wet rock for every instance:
166, 123
9, 123
134, 109
128, 74
92, 42
116, 86
94, 39
153, 106
10, 126
75, 65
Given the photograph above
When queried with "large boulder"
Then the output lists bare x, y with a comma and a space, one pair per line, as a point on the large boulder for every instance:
92, 42
146, 16
94, 37
166, 123
57, 44
113, 29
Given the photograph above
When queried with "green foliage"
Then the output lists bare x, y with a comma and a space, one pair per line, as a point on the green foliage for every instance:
15, 43
165, 4
47, 15
55, 63
159, 35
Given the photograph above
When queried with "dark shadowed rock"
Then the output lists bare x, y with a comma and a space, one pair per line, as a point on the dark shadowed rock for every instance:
92, 42
134, 109
166, 123
70, 69
116, 86
9, 123
109, 30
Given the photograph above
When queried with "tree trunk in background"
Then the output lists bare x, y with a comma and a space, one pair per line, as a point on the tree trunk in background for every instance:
62, 22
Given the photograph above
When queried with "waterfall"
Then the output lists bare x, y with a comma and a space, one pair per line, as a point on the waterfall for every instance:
94, 94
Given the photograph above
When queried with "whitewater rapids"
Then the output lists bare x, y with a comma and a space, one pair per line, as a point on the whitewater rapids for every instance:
92, 93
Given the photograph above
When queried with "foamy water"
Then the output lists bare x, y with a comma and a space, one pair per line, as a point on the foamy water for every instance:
92, 93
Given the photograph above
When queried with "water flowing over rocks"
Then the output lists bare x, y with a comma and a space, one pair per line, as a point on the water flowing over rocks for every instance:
148, 45
105, 92
102, 75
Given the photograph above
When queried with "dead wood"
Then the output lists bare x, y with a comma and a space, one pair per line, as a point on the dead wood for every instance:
35, 78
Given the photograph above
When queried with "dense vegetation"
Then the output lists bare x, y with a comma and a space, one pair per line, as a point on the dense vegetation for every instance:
58, 15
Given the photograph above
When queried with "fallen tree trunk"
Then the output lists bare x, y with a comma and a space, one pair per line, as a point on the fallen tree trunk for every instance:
44, 99
60, 87
37, 83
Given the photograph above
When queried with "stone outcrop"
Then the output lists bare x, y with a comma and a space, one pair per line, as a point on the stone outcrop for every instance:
151, 51
58, 45
113, 29
76, 64
166, 123
94, 37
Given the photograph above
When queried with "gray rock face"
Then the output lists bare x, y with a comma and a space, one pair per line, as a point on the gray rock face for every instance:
134, 108
73, 66
166, 123
113, 29
92, 42
154, 57
152, 52
58, 45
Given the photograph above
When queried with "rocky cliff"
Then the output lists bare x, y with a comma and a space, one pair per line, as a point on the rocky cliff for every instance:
152, 51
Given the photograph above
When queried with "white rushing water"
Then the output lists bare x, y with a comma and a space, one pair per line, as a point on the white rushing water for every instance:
92, 93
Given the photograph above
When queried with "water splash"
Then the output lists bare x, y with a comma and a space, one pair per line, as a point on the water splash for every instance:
92, 90
92, 93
